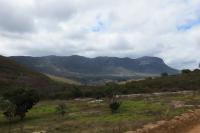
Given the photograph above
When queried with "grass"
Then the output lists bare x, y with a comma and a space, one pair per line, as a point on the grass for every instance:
84, 116
63, 80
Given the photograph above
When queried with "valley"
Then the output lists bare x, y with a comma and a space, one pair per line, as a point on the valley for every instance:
67, 105
99, 66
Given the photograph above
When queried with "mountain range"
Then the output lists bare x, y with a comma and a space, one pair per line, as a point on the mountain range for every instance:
96, 70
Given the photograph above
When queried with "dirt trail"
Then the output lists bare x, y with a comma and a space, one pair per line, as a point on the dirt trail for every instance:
195, 129
185, 123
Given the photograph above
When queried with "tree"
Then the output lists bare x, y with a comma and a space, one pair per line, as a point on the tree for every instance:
22, 99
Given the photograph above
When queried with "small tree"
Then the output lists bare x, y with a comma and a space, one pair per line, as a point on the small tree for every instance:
61, 109
9, 111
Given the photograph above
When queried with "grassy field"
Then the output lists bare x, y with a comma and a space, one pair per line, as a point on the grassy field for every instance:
87, 116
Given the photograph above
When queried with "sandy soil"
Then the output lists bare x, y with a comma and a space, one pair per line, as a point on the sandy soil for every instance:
196, 129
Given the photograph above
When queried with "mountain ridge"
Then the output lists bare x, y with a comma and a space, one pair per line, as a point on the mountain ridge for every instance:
103, 67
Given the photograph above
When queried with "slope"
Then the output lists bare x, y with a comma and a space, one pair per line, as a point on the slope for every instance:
13, 75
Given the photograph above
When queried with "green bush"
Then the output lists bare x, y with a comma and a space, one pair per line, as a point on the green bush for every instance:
114, 106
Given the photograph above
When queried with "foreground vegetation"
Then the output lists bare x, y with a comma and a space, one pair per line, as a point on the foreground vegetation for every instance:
90, 115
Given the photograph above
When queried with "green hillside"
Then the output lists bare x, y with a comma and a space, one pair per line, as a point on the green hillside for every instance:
173, 83
13, 75
185, 81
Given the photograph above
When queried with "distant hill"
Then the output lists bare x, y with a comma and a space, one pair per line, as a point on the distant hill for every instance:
99, 69
13, 75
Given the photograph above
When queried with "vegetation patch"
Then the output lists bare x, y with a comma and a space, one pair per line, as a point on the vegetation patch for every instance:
87, 116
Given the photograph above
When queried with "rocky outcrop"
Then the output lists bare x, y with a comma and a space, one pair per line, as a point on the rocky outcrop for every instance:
179, 124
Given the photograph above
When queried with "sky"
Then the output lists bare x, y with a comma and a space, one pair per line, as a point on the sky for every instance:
169, 29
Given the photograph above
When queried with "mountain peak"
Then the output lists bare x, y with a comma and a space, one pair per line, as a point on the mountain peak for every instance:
150, 58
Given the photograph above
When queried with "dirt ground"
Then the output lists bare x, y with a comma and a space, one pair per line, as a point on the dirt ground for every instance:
195, 129
185, 123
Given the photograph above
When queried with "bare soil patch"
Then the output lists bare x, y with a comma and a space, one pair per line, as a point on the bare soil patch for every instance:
186, 123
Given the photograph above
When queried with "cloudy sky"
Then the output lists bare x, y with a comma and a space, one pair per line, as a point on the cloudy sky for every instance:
169, 29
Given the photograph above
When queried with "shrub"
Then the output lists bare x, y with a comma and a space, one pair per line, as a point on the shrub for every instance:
61, 108
114, 106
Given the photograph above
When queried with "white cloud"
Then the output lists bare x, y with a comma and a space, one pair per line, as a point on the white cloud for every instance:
169, 29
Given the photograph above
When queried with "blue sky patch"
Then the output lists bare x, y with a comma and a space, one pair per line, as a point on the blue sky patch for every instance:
188, 25
99, 26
